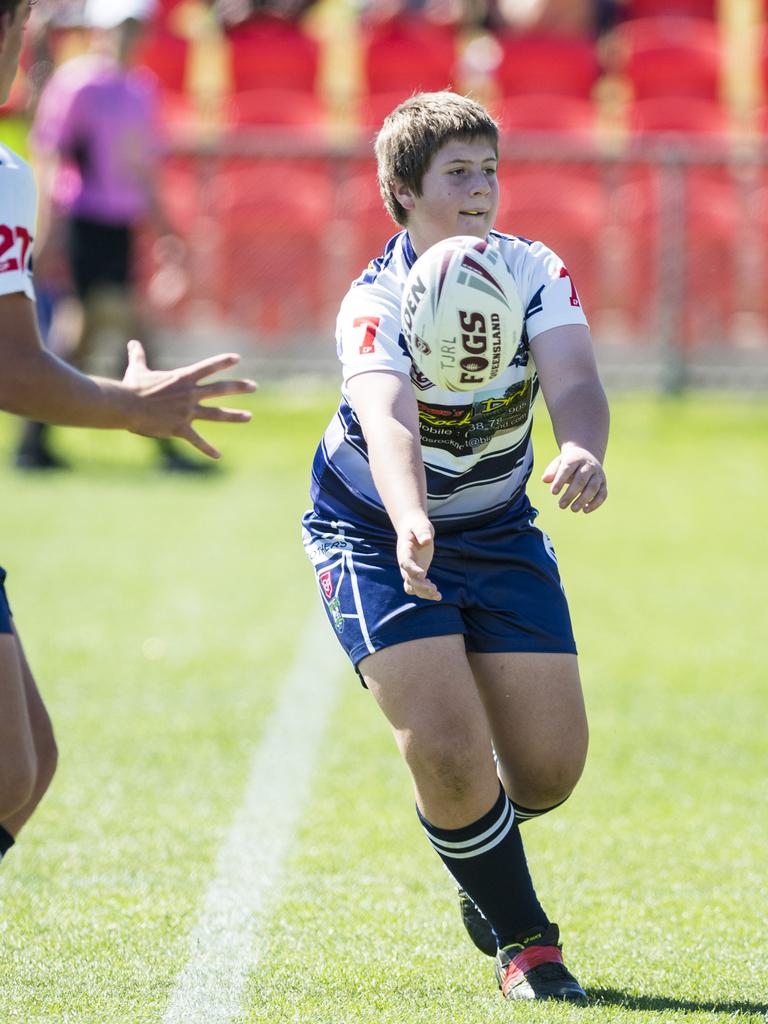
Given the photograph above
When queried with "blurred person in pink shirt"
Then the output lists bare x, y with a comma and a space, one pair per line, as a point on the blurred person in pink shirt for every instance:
97, 140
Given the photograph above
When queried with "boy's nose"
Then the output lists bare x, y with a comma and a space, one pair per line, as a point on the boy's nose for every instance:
481, 185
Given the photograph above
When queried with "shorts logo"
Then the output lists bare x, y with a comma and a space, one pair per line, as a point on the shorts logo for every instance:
326, 582
338, 619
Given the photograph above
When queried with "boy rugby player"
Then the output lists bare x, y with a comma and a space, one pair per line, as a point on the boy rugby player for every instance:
36, 384
442, 590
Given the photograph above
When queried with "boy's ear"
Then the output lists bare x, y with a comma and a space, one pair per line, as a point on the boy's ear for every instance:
403, 194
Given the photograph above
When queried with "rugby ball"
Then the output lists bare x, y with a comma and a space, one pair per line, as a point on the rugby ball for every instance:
461, 313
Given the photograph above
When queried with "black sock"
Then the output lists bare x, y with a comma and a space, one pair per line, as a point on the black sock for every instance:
6, 841
487, 859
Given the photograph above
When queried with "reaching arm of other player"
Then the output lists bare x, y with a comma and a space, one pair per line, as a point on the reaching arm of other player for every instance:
578, 408
386, 408
157, 403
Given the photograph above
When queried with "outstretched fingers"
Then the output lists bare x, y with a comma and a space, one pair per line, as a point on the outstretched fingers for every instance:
196, 440
221, 414
206, 367
220, 388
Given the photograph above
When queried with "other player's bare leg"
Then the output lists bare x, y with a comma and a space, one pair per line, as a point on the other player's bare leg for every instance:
28, 753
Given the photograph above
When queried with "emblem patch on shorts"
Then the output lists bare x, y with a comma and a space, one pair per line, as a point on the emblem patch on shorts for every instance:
326, 583
338, 619
325, 579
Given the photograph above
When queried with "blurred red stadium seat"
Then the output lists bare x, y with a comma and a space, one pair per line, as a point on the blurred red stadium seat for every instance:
763, 64
273, 53
277, 108
164, 10
408, 54
755, 244
679, 115
563, 209
713, 218
547, 65
362, 223
166, 55
179, 186
272, 218
375, 107
669, 56
563, 115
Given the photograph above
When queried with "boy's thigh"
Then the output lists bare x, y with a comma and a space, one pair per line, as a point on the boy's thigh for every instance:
426, 686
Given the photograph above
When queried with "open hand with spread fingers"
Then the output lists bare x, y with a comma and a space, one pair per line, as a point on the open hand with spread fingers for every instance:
168, 401
582, 476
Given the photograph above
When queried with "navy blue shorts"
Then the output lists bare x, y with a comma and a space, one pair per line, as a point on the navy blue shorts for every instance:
500, 584
5, 608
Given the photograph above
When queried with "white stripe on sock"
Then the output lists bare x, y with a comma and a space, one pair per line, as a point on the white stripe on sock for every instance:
497, 832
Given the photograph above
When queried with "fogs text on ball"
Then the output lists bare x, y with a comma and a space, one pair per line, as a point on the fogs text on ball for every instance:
461, 313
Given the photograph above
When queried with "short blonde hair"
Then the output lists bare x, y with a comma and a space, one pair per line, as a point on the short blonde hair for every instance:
415, 130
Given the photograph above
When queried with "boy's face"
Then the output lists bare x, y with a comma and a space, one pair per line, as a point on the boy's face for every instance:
459, 194
11, 40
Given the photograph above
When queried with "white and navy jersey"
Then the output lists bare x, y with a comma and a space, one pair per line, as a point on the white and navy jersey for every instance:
476, 445
18, 210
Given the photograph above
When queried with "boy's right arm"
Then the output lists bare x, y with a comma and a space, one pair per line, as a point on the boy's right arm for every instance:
386, 408
36, 384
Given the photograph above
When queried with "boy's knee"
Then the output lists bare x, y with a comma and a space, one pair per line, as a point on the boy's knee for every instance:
18, 779
448, 762
546, 791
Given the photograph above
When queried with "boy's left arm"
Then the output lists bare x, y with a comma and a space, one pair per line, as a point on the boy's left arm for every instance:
578, 408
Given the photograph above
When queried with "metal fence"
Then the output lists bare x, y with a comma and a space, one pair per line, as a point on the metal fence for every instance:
666, 240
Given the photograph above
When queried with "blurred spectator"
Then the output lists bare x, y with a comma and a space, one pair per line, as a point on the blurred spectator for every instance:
576, 17
440, 12
232, 13
97, 141
572, 17
60, 12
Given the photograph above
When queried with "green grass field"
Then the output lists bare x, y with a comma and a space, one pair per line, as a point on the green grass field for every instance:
161, 616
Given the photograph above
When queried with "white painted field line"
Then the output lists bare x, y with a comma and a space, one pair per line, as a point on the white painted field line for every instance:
247, 875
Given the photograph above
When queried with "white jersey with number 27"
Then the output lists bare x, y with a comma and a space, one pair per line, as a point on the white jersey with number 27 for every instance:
18, 208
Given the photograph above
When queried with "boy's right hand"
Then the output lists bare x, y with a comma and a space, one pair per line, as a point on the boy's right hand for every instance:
415, 548
169, 400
